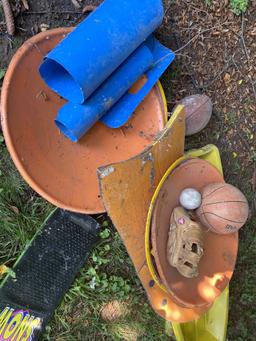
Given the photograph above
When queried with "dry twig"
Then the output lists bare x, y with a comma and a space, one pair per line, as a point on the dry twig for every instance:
242, 38
190, 74
50, 12
8, 17
199, 34
167, 10
194, 7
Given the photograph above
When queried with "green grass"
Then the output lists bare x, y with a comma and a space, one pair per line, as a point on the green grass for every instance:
21, 210
237, 6
2, 73
108, 275
208, 2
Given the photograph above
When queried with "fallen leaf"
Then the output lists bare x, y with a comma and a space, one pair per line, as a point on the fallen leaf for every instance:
229, 90
227, 78
8, 219
76, 3
15, 209
25, 4
216, 33
44, 27
89, 8
253, 32
3, 270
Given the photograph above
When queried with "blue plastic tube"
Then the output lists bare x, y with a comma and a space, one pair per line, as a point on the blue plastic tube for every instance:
98, 46
74, 120
121, 112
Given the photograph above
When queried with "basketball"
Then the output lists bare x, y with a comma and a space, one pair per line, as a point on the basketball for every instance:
198, 109
224, 208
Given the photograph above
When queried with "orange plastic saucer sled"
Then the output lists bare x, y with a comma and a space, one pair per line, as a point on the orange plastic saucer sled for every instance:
65, 174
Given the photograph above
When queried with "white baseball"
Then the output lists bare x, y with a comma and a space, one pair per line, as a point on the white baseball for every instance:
190, 198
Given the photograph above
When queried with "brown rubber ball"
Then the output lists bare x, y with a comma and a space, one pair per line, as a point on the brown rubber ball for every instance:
198, 110
224, 208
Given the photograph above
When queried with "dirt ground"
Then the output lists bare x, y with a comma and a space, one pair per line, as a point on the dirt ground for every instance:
215, 55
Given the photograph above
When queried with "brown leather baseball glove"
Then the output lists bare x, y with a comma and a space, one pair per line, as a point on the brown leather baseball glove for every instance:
185, 243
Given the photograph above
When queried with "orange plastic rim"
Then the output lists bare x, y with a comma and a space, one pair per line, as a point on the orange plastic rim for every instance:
62, 172
217, 264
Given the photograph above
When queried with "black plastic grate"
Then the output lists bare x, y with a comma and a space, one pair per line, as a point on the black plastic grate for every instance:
50, 263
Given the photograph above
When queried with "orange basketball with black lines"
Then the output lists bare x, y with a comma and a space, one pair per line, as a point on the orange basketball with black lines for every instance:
224, 208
